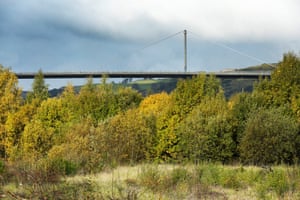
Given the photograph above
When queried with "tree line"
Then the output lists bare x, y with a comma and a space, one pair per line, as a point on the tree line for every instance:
103, 125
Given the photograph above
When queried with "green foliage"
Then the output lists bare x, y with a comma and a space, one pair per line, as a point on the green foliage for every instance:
64, 167
102, 101
284, 84
270, 137
179, 175
206, 134
241, 106
167, 182
296, 106
282, 89
94, 103
208, 174
127, 98
129, 137
150, 177
105, 124
279, 182
288, 71
187, 95
39, 89
81, 148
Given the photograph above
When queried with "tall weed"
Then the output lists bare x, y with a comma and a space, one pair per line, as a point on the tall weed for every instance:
208, 174
150, 177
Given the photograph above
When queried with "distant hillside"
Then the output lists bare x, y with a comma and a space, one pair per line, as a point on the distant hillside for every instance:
230, 86
150, 86
233, 86
262, 67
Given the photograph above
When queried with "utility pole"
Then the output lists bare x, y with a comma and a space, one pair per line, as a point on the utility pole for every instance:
185, 51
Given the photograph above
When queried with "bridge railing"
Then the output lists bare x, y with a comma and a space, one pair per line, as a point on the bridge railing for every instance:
67, 75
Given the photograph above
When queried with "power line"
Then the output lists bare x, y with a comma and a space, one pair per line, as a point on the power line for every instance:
234, 50
159, 41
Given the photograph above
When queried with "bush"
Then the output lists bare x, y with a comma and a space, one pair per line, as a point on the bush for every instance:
128, 137
230, 179
206, 133
278, 181
150, 177
81, 150
270, 138
208, 174
180, 175
64, 167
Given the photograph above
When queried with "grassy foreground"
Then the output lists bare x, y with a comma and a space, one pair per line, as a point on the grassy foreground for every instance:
205, 181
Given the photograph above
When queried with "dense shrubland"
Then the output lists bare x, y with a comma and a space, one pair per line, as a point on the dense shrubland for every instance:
103, 126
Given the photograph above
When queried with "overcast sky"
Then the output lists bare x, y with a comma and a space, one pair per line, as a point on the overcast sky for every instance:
110, 35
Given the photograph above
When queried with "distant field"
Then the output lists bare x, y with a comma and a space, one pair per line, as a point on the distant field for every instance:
230, 86
149, 86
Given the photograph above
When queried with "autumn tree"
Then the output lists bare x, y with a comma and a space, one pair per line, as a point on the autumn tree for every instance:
206, 133
287, 79
271, 137
81, 148
17, 121
240, 107
155, 104
14, 127
125, 138
284, 85
129, 137
288, 72
103, 100
187, 95
127, 98
39, 88
94, 102
10, 99
46, 129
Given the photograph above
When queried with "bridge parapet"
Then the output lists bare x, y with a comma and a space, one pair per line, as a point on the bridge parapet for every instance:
68, 75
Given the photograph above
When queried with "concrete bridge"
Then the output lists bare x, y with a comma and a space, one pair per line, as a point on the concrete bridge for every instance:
71, 75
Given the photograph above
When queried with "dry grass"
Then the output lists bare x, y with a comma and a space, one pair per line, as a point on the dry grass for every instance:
129, 178
205, 181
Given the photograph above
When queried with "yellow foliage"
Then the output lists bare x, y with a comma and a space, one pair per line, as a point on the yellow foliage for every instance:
14, 127
129, 136
81, 146
154, 104
46, 128
10, 99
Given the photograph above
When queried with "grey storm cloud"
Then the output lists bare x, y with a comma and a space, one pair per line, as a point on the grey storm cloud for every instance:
135, 19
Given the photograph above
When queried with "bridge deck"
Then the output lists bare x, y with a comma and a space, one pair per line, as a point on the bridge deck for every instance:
68, 75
